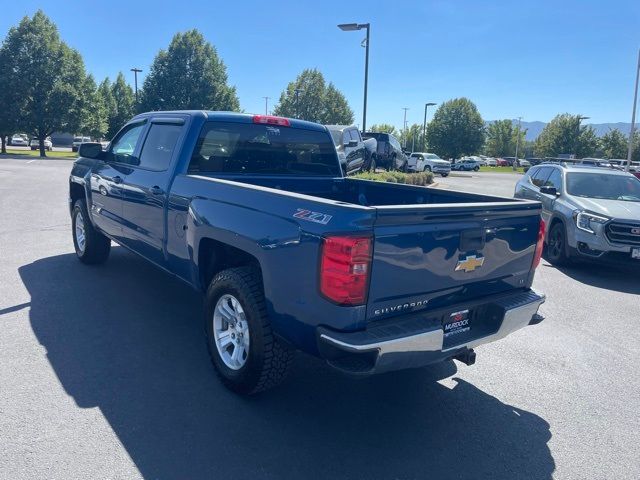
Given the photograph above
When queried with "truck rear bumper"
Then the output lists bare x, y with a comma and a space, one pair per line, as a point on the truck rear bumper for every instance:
419, 339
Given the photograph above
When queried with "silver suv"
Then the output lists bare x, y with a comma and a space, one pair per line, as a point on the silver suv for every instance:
590, 212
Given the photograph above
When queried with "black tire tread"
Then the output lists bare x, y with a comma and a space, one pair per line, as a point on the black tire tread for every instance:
277, 357
97, 246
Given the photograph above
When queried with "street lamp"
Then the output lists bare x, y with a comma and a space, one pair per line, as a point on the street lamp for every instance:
580, 118
136, 71
298, 91
349, 27
514, 166
424, 125
633, 117
266, 104
404, 124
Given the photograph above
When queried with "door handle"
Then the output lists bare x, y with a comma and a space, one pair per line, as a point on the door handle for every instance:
538, 196
117, 179
156, 190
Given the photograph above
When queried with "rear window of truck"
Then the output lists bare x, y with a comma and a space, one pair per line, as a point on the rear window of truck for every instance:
247, 148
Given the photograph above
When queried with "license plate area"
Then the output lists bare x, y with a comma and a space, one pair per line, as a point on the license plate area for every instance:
462, 326
635, 253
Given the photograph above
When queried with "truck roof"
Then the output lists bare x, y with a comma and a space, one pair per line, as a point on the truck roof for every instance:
233, 117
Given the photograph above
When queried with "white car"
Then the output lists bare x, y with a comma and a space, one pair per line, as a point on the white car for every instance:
20, 140
77, 141
491, 162
35, 144
428, 162
479, 160
523, 163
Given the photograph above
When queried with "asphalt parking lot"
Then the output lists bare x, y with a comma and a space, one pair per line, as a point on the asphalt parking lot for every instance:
104, 374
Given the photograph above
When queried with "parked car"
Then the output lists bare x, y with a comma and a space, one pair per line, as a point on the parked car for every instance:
20, 140
35, 144
501, 162
592, 213
350, 147
389, 151
77, 141
428, 162
482, 162
465, 164
595, 162
521, 162
491, 162
254, 212
510, 160
534, 161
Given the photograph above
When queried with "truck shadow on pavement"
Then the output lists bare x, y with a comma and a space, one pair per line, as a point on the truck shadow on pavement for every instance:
128, 339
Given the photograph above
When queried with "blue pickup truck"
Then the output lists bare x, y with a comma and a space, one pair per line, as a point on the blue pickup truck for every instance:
254, 211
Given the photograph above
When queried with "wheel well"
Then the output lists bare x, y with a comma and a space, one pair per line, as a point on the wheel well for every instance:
76, 191
214, 256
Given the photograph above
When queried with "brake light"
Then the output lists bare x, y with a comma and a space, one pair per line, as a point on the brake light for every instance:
344, 269
271, 120
540, 245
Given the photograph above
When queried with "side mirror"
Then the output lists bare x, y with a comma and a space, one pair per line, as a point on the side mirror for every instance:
91, 150
549, 191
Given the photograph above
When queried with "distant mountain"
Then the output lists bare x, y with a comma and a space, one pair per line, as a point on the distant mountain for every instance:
534, 128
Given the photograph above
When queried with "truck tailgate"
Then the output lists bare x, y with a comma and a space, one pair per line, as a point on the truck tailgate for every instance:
432, 256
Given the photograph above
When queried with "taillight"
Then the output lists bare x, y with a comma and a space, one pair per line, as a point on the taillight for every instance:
344, 269
540, 245
271, 120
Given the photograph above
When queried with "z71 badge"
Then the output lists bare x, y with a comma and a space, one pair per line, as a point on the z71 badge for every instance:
310, 216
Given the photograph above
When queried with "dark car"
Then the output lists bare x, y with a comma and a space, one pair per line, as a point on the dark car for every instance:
350, 147
390, 154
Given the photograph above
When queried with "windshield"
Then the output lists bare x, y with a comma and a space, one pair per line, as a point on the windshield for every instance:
433, 156
247, 148
608, 187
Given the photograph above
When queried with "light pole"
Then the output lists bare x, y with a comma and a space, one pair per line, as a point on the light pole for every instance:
514, 166
424, 125
266, 104
298, 91
633, 117
136, 71
349, 27
580, 118
404, 124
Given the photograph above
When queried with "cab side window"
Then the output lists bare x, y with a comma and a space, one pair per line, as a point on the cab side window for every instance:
540, 176
159, 145
554, 180
124, 145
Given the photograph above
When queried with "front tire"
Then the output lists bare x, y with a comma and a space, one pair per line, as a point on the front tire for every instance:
557, 245
247, 356
92, 247
427, 168
476, 169
444, 174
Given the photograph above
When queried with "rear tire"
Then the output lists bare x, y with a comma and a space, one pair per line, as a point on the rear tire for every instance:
476, 169
235, 305
444, 174
557, 245
92, 247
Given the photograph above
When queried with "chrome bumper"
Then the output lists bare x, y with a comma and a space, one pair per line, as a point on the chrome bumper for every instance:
421, 348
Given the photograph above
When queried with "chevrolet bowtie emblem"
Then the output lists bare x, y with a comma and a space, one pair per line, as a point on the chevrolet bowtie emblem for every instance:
469, 264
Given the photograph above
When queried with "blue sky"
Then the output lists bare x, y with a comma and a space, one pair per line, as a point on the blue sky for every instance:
530, 58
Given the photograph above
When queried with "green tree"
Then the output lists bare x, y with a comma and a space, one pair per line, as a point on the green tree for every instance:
121, 105
188, 75
635, 153
309, 97
93, 110
104, 92
50, 84
614, 144
49, 77
456, 129
9, 103
564, 134
383, 128
502, 137
412, 140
